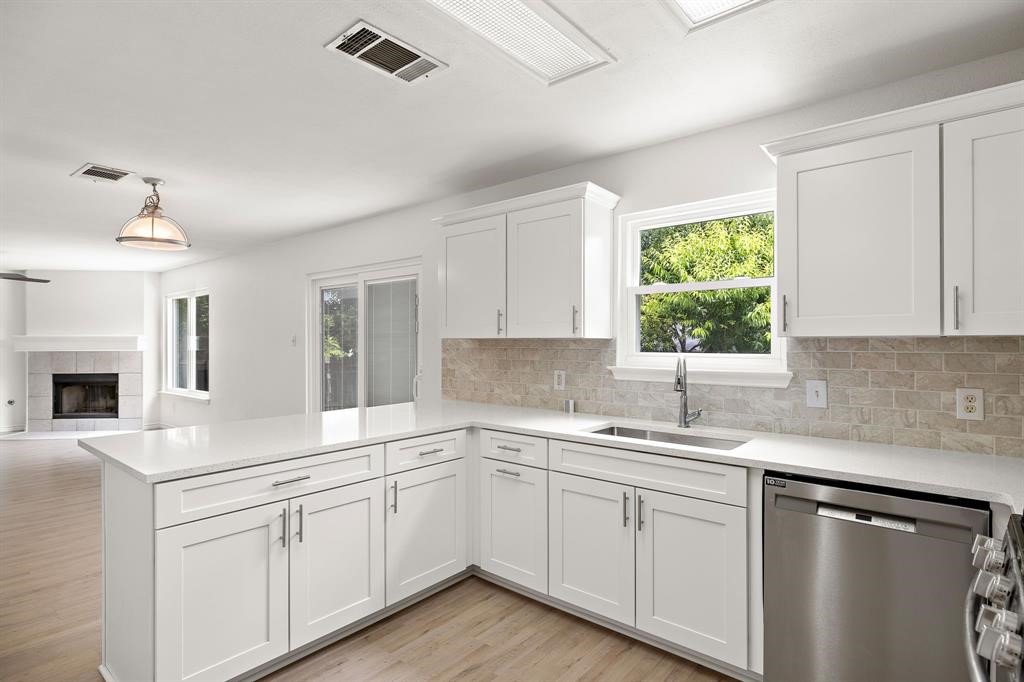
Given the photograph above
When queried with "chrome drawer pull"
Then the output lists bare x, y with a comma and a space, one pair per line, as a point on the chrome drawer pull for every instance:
625, 510
509, 448
303, 477
284, 527
431, 452
506, 471
301, 523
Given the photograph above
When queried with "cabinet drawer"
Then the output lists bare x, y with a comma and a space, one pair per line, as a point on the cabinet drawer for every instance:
689, 477
413, 453
512, 447
199, 497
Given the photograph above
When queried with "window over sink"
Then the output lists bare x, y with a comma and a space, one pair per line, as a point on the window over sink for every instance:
698, 281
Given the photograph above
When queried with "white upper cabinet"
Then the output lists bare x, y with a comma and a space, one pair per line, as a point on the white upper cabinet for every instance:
859, 237
473, 279
906, 223
551, 251
983, 197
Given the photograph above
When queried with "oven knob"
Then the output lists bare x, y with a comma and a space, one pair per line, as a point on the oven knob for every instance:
1000, 619
995, 588
989, 559
1001, 647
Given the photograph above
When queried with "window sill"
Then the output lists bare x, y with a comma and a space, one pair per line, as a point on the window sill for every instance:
716, 377
197, 396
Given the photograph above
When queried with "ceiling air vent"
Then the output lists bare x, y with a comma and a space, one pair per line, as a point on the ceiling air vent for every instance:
98, 173
385, 53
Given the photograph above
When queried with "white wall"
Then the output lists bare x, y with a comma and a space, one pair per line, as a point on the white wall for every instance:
258, 299
12, 364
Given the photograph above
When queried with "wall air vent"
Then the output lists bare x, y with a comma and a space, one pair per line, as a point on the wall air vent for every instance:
98, 173
385, 53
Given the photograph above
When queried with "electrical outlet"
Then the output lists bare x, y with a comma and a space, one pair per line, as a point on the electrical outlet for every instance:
559, 379
970, 404
817, 393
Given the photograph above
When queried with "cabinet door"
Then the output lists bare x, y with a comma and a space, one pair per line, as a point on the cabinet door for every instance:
858, 237
545, 271
691, 574
591, 544
514, 523
426, 527
222, 594
983, 200
473, 279
337, 559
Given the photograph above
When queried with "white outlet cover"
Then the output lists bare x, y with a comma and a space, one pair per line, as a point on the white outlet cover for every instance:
559, 379
970, 404
817, 393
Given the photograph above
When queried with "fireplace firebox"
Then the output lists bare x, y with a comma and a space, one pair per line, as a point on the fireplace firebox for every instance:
84, 396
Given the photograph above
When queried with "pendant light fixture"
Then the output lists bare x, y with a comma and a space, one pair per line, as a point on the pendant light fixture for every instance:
151, 229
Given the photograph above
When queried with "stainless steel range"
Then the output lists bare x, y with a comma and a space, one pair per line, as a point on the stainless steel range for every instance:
994, 612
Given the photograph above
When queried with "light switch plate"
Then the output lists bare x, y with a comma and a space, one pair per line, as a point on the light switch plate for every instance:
559, 379
817, 393
970, 404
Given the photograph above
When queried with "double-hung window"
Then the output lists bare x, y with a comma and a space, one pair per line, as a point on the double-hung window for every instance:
698, 281
188, 344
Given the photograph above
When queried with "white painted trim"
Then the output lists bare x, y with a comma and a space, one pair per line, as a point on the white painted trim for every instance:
15, 428
768, 370
581, 190
937, 112
762, 378
33, 344
198, 396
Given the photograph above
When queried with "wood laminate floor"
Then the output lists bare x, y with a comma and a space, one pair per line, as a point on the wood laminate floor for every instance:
50, 604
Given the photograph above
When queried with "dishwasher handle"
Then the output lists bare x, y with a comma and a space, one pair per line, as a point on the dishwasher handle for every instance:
975, 667
867, 517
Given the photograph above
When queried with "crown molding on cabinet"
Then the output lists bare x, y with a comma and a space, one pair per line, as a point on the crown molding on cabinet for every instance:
940, 111
581, 190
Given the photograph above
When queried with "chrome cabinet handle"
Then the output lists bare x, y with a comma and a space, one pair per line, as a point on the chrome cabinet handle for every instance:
302, 523
509, 448
510, 473
956, 307
303, 477
785, 313
574, 326
431, 452
284, 527
499, 321
639, 512
625, 510
395, 505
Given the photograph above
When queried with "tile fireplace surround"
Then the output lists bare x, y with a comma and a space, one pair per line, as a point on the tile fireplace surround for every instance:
43, 365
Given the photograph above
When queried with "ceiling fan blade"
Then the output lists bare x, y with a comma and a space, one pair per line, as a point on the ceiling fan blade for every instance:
18, 277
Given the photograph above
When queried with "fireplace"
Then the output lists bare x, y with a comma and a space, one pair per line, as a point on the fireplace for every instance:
84, 396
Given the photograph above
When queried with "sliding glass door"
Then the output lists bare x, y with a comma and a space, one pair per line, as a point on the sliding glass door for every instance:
367, 331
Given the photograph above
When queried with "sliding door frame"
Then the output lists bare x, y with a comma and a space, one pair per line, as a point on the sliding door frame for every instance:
359, 277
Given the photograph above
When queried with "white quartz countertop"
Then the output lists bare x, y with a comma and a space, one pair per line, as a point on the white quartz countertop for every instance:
164, 455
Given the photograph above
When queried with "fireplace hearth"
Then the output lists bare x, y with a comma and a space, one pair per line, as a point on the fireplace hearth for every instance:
84, 396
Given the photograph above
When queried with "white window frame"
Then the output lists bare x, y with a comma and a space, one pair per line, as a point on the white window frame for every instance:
734, 369
169, 361
359, 277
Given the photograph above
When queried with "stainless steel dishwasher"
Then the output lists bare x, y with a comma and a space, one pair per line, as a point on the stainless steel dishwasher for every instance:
864, 584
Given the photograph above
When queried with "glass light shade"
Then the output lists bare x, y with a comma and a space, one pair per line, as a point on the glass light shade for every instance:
154, 231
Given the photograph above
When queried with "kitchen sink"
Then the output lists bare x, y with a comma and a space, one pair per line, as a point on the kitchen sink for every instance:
666, 437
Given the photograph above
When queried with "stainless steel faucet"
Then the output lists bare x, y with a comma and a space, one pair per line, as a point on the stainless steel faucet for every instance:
685, 416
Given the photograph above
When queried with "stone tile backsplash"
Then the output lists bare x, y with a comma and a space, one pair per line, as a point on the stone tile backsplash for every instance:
885, 390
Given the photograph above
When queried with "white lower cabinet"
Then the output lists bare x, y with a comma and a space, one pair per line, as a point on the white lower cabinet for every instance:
691, 574
514, 523
337, 559
591, 545
425, 527
222, 594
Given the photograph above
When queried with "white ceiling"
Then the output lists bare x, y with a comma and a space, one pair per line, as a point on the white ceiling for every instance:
261, 133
